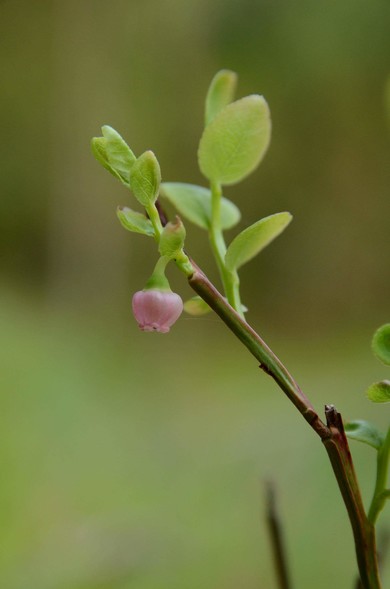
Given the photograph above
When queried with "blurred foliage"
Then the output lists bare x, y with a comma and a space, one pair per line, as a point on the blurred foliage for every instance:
117, 476
144, 67
111, 485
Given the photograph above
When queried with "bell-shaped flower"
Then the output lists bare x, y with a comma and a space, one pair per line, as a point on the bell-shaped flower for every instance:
156, 310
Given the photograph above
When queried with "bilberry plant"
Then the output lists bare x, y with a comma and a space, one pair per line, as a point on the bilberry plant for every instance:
234, 141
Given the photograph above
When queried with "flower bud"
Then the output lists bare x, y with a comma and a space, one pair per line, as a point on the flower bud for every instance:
156, 310
172, 239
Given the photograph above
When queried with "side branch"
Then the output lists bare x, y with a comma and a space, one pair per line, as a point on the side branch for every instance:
269, 362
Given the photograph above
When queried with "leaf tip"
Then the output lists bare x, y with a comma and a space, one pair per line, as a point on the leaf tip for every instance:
381, 343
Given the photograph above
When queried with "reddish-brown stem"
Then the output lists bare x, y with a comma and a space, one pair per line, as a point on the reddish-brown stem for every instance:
363, 530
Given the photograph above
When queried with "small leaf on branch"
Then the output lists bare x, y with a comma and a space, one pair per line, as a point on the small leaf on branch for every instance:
134, 221
220, 93
194, 203
381, 343
364, 431
119, 155
145, 178
247, 244
379, 392
98, 146
235, 141
196, 307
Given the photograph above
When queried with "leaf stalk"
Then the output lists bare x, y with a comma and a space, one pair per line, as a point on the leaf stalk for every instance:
230, 280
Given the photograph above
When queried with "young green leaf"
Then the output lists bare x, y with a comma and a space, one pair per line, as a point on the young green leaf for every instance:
220, 93
196, 307
381, 343
119, 155
194, 203
255, 238
134, 221
172, 239
145, 178
364, 431
98, 147
235, 141
379, 392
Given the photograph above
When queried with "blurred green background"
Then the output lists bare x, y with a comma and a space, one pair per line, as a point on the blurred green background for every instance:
132, 460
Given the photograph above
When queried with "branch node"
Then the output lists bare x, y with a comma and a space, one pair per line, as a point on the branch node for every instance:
265, 369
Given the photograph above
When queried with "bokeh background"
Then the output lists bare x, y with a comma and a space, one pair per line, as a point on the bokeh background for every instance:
132, 460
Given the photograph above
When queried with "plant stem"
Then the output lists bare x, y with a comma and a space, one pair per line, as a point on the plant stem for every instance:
380, 496
154, 217
230, 280
332, 434
363, 530
258, 348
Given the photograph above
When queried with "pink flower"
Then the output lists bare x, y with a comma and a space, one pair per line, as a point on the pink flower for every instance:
156, 310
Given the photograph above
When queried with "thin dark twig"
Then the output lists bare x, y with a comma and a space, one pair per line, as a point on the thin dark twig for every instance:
276, 537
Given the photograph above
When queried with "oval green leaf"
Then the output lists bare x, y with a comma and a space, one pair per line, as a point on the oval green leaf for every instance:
220, 93
119, 155
253, 239
98, 147
145, 178
194, 203
196, 307
379, 392
134, 221
366, 432
381, 343
235, 141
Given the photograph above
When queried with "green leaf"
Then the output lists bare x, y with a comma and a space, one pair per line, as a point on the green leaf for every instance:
364, 431
134, 221
119, 155
254, 238
145, 178
381, 343
379, 392
172, 239
194, 203
98, 146
196, 307
235, 141
220, 93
